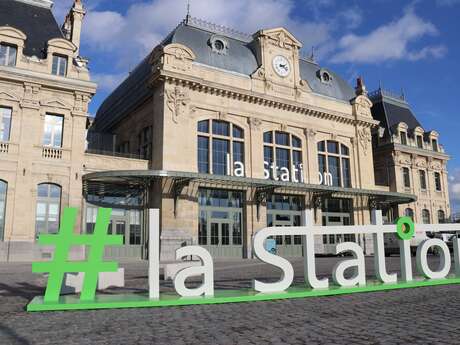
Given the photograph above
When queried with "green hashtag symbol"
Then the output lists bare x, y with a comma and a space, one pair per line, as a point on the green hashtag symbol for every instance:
63, 241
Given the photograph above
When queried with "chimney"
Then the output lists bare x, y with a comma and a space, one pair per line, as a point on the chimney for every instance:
73, 23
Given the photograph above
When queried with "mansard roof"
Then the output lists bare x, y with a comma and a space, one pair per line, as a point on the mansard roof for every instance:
391, 109
34, 20
240, 58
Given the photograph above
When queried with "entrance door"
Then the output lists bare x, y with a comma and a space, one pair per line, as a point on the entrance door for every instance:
336, 213
126, 223
284, 210
221, 223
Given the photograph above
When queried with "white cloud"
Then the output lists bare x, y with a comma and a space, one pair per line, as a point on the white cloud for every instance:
390, 42
108, 82
131, 36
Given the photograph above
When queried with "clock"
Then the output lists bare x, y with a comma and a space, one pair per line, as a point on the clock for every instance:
281, 66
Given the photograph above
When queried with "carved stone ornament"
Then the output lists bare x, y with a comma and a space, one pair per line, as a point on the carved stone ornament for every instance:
255, 123
364, 139
283, 127
310, 132
362, 106
177, 101
176, 56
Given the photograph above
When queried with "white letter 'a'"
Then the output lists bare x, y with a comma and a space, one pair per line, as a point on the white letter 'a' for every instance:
359, 276
207, 270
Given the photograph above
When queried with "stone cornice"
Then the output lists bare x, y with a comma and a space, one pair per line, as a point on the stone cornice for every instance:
262, 99
48, 80
421, 152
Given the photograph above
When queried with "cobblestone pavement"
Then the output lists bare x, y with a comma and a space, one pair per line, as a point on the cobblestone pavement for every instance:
428, 315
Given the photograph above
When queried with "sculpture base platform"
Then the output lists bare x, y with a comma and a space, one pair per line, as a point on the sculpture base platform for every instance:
171, 299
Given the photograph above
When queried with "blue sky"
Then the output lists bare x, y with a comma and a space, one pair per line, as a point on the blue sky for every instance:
412, 45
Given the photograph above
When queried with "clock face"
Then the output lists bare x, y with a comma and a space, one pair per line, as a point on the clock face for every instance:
281, 66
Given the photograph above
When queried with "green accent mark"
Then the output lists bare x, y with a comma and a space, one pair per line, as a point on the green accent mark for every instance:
63, 241
171, 299
402, 223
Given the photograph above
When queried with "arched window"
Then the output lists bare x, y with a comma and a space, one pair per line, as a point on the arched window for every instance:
283, 156
425, 216
220, 147
48, 208
408, 212
334, 163
441, 217
3, 190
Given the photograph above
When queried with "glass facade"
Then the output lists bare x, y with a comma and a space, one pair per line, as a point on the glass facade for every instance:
285, 210
5, 123
3, 191
334, 159
219, 150
48, 208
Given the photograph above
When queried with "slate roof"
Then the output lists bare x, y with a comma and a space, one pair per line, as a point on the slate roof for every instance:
391, 110
37, 22
240, 58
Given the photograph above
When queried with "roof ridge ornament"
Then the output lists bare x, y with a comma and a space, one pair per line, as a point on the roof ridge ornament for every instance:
217, 29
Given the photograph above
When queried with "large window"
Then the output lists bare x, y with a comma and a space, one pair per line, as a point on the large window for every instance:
408, 212
283, 156
419, 141
220, 148
406, 177
145, 143
53, 130
437, 181
441, 217
3, 190
422, 176
59, 65
5, 123
8, 54
425, 216
334, 162
48, 208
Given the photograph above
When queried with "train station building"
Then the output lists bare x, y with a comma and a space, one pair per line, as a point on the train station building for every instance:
226, 133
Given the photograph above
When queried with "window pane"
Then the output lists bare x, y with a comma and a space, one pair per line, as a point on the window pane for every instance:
203, 155
403, 137
220, 149
322, 146
297, 162
296, 142
435, 145
345, 150
11, 60
5, 124
62, 66
48, 208
3, 52
346, 173
220, 128
238, 132
202, 229
268, 157
282, 138
282, 159
214, 233
203, 126
322, 164
437, 181
268, 137
334, 169
332, 147
238, 152
237, 235
8, 55
419, 142
53, 131
422, 179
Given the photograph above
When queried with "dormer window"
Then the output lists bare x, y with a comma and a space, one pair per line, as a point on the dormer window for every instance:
8, 54
403, 137
324, 76
434, 143
219, 45
419, 141
59, 65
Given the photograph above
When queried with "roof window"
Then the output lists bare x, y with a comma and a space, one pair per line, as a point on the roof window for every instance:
219, 44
